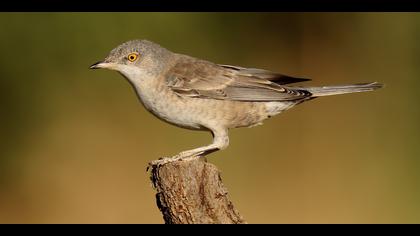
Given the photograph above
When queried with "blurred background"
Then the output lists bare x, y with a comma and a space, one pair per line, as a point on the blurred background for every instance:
74, 142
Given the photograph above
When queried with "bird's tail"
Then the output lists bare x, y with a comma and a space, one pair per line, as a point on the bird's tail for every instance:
342, 89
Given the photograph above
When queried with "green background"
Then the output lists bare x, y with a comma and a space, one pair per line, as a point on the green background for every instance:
75, 142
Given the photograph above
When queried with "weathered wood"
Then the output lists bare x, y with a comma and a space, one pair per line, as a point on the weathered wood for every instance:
192, 192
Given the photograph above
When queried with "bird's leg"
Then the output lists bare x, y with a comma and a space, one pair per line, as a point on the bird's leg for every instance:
220, 142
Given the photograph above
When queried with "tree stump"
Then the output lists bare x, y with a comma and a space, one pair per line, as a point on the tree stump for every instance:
192, 192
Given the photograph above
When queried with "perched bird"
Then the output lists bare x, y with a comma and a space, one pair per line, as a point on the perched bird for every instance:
197, 94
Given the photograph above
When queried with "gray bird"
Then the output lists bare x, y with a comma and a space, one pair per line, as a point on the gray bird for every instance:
200, 95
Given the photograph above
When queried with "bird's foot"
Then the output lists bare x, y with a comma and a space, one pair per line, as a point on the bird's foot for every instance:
165, 160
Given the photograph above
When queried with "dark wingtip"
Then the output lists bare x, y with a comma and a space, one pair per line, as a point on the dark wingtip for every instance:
284, 79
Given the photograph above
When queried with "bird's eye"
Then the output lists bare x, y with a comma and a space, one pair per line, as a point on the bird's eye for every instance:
132, 57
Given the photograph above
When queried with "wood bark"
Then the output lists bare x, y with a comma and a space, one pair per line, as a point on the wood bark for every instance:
192, 192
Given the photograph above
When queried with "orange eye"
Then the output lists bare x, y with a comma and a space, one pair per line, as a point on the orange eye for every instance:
132, 57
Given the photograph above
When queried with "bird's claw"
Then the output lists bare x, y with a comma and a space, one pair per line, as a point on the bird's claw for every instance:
165, 160
159, 162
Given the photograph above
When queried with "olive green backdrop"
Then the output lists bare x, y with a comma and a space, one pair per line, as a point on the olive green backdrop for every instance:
74, 142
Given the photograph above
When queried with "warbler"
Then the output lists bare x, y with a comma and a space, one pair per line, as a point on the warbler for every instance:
201, 95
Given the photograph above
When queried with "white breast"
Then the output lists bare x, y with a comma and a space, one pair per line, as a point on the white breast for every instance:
160, 100
166, 105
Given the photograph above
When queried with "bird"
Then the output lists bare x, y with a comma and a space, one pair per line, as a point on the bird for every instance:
197, 94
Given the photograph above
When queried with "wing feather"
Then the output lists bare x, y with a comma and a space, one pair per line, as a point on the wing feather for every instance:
267, 75
202, 79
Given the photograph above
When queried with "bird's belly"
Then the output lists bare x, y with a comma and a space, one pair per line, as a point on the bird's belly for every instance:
202, 114
177, 117
211, 113
170, 108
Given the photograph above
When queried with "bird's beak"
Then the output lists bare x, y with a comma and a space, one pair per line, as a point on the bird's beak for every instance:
100, 65
97, 65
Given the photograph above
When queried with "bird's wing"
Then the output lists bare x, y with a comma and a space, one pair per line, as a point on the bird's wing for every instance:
202, 79
265, 74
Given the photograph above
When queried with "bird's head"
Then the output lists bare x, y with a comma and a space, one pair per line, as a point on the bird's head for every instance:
135, 58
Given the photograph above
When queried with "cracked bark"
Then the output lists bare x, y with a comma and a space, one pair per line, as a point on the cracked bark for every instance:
192, 192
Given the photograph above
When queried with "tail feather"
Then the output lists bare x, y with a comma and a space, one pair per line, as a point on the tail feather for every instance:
343, 89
